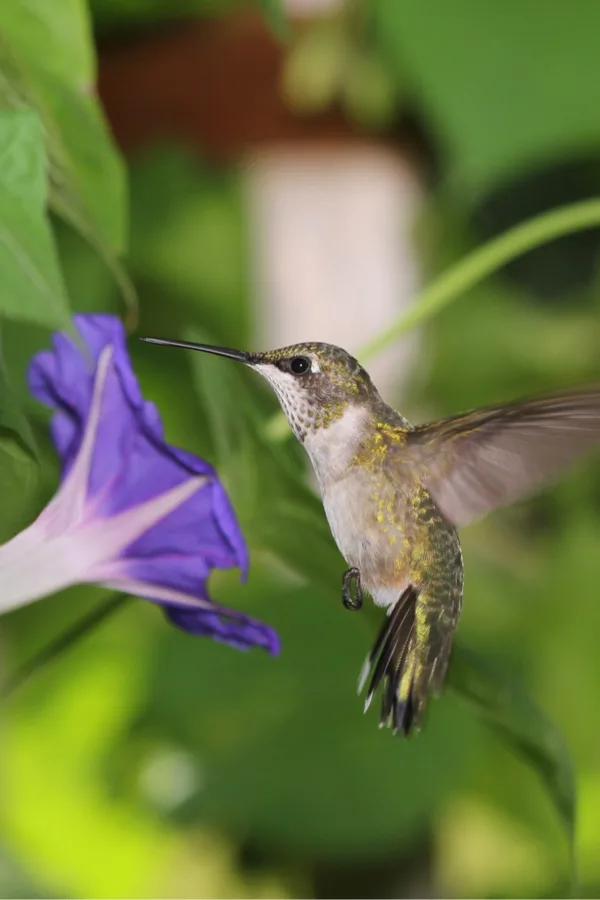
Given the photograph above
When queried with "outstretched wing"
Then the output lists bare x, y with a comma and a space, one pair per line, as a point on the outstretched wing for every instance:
491, 457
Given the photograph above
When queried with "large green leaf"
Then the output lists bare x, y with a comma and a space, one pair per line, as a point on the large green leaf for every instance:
56, 35
46, 61
32, 287
521, 724
503, 85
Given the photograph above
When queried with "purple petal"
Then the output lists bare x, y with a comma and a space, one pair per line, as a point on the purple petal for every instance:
130, 466
202, 617
242, 633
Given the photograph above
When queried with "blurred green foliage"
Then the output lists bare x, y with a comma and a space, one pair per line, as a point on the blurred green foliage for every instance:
333, 62
503, 86
150, 763
47, 64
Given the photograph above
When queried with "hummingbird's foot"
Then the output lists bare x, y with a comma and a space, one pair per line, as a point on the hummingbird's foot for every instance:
350, 602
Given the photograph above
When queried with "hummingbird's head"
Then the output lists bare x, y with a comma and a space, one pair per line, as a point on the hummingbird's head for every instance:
314, 383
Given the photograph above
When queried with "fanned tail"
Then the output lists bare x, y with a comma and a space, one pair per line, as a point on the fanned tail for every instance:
405, 665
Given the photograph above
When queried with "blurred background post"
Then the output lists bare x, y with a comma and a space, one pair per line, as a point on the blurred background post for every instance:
299, 172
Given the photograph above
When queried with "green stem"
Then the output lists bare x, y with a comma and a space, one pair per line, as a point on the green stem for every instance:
469, 271
473, 268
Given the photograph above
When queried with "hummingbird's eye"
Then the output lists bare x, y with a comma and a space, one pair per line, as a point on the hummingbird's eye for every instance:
299, 365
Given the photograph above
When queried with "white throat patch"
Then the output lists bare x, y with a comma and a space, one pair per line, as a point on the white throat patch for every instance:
292, 397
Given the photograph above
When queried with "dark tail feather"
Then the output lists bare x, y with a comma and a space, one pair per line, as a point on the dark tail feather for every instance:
439, 666
388, 661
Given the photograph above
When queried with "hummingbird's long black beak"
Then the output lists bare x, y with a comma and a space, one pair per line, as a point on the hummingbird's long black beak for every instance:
240, 355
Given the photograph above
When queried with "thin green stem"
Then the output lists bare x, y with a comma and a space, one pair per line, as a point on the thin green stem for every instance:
469, 271
487, 259
55, 648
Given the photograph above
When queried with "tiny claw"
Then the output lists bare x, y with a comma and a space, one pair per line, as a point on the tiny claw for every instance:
350, 602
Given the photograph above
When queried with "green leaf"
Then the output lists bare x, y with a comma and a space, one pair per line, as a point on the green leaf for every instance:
23, 158
18, 469
47, 62
18, 481
520, 723
274, 13
32, 286
503, 86
57, 35
12, 417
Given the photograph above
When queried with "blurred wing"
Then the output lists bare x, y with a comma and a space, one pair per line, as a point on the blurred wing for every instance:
491, 457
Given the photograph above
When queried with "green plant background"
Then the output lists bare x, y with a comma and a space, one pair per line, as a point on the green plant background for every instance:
148, 763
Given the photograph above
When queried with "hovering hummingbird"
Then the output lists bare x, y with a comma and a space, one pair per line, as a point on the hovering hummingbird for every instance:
395, 494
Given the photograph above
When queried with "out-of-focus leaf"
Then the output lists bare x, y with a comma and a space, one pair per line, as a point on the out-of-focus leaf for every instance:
522, 725
12, 417
316, 67
187, 226
285, 751
275, 16
32, 287
505, 85
370, 94
22, 157
56, 35
67, 731
226, 410
110, 15
18, 469
298, 535
46, 61
16, 882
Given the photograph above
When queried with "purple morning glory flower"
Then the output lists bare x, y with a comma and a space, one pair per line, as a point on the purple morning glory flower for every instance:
132, 512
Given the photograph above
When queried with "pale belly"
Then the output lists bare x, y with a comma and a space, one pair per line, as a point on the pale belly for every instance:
380, 554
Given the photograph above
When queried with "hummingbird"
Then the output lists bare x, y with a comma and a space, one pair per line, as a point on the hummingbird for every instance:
395, 495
